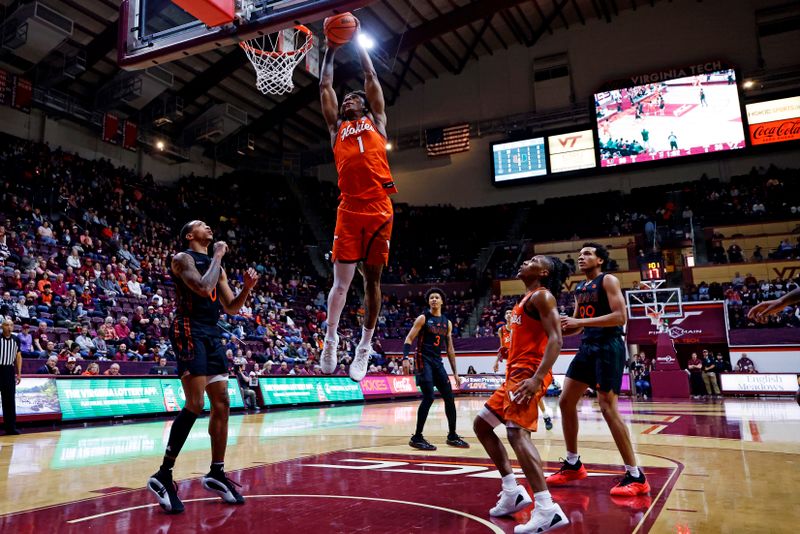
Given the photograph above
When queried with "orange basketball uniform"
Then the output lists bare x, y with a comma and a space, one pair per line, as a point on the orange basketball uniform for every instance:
365, 215
528, 342
505, 340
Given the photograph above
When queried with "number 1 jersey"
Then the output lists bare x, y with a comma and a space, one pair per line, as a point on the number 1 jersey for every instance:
360, 155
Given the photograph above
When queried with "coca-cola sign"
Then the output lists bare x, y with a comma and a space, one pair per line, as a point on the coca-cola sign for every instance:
774, 121
775, 132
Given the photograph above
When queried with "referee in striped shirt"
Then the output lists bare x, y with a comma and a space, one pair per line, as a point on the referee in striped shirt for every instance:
10, 376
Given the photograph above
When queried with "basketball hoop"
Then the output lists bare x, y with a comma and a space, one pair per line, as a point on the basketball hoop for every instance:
656, 320
275, 59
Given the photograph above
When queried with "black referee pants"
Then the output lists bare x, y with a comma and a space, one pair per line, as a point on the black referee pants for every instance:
8, 388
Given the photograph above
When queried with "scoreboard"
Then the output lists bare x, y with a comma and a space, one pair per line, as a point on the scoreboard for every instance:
519, 159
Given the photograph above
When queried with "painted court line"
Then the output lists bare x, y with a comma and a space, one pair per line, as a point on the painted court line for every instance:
477, 464
487, 524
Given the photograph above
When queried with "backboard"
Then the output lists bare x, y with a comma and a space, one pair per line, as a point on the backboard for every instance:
654, 302
153, 32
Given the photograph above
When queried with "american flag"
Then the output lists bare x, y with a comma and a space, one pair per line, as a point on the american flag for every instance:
449, 140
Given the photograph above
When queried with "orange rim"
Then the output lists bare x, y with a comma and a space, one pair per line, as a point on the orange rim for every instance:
305, 48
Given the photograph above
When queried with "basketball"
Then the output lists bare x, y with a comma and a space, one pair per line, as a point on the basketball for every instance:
339, 29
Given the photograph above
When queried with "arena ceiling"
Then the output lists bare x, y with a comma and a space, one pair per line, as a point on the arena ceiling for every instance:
418, 40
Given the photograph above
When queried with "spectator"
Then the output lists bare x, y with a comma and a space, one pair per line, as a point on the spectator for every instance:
721, 365
72, 367
248, 394
50, 367
93, 369
121, 328
74, 260
709, 374
134, 287
83, 340
26, 342
471, 370
100, 343
113, 370
745, 365
696, 385
162, 368
342, 370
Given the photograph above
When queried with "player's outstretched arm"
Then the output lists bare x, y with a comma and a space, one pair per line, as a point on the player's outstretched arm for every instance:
372, 86
183, 266
500, 352
770, 307
328, 100
232, 304
451, 353
412, 335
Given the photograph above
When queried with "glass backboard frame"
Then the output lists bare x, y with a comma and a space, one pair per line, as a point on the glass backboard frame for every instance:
138, 49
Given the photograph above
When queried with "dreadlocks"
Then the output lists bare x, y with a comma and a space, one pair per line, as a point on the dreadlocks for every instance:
558, 273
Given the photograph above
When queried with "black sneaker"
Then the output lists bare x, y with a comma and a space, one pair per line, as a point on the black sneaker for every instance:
224, 487
418, 442
166, 491
548, 423
456, 441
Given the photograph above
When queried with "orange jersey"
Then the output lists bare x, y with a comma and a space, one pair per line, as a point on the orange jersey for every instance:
360, 155
528, 338
505, 337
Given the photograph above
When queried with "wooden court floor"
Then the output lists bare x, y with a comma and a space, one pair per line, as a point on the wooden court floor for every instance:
724, 466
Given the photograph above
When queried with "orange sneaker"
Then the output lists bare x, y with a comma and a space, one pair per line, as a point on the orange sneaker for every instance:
630, 486
567, 473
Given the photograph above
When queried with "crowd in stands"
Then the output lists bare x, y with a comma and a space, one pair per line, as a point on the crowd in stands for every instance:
85, 249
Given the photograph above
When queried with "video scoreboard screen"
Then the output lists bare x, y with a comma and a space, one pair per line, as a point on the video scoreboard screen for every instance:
518, 160
571, 151
671, 118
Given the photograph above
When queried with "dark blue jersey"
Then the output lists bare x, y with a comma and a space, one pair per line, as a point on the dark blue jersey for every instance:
199, 313
592, 301
432, 338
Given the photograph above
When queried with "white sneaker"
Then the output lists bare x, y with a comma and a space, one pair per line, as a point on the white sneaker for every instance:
511, 502
358, 369
543, 520
327, 360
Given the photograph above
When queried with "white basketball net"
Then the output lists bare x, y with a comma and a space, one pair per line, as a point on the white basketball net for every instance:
274, 59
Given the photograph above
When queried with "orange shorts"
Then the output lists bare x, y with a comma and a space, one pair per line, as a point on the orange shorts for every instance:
507, 411
363, 231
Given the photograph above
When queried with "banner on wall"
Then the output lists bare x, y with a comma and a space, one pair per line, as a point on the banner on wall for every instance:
305, 390
175, 398
36, 396
701, 323
759, 383
100, 397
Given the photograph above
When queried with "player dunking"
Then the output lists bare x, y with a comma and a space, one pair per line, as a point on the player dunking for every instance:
600, 315
504, 333
203, 294
434, 330
535, 345
365, 214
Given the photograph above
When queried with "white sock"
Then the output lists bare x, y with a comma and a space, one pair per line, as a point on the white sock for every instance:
633, 470
366, 337
331, 334
546, 412
509, 482
572, 458
543, 499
